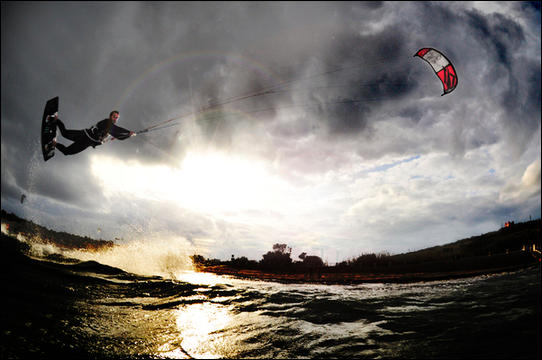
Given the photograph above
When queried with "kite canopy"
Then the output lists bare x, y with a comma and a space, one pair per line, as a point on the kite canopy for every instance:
442, 67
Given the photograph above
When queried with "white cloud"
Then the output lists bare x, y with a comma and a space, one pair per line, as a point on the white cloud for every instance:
529, 186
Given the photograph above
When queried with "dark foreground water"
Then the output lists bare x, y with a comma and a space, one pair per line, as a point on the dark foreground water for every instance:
87, 309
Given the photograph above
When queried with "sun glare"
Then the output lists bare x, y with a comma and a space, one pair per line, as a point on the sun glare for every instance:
200, 326
207, 181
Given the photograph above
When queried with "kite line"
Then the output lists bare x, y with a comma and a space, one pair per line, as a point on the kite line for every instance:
273, 89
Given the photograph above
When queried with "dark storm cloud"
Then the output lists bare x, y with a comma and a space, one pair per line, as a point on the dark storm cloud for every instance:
361, 73
503, 41
338, 87
339, 49
500, 35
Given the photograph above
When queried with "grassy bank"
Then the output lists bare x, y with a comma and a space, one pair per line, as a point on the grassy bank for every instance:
15, 225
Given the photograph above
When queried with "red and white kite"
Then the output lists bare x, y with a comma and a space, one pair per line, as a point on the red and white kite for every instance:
442, 66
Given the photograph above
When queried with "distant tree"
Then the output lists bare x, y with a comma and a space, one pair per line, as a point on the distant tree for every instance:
279, 258
313, 261
312, 264
198, 259
281, 248
243, 263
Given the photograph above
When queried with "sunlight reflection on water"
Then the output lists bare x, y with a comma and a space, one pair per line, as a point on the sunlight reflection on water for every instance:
201, 326
200, 278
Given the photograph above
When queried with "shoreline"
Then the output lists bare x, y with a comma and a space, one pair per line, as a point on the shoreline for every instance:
355, 278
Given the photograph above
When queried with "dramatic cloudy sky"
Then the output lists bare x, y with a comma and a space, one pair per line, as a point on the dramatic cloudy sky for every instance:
356, 150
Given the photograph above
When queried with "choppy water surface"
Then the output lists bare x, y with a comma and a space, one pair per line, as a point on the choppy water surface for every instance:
91, 309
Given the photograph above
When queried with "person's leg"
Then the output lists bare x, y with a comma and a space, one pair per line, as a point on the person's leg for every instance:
74, 148
73, 135
81, 142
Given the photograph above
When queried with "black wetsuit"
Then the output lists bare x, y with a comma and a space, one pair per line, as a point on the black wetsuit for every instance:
93, 136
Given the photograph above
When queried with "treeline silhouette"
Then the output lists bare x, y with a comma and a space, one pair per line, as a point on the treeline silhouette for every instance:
279, 260
44, 235
510, 246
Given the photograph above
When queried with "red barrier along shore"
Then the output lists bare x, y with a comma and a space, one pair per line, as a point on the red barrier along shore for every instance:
352, 278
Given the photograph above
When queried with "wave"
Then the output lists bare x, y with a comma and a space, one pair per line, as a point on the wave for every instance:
151, 257
96, 267
160, 256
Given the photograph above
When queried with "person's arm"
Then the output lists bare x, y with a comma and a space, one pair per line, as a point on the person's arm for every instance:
120, 133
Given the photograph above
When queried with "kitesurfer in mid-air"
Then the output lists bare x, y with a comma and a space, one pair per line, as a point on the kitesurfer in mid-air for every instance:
94, 136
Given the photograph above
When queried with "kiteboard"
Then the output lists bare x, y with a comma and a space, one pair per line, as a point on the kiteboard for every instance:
48, 128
